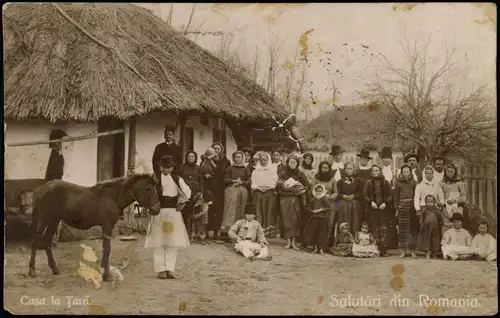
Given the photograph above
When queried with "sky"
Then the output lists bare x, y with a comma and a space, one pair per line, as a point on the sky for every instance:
342, 40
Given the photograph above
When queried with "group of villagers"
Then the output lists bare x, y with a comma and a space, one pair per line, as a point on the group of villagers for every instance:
340, 208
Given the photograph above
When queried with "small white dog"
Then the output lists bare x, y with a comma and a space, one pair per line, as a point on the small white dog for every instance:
115, 272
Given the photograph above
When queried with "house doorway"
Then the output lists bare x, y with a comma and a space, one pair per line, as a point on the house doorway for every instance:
110, 150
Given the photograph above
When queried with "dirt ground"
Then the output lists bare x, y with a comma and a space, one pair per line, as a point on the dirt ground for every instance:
213, 279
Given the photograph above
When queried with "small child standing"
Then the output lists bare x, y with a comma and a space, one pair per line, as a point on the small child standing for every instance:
364, 245
199, 218
484, 245
316, 232
342, 245
428, 237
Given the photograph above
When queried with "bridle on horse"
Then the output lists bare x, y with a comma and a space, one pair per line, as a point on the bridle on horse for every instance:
150, 217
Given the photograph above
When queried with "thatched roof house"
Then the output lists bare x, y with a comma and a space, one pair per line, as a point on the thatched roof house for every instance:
353, 127
84, 61
97, 68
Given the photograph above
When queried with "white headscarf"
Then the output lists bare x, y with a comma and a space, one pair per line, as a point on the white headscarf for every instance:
264, 176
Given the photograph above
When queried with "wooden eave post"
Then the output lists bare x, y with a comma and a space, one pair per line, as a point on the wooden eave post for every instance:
129, 211
182, 135
250, 139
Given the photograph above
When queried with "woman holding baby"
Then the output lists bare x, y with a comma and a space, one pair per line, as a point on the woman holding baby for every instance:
292, 186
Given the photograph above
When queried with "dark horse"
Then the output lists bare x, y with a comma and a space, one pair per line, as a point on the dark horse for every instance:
83, 207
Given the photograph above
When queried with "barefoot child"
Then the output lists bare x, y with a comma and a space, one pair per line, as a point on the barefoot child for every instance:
316, 232
249, 237
428, 237
342, 245
484, 245
456, 242
364, 243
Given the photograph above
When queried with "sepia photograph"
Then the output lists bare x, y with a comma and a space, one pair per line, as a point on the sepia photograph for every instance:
250, 158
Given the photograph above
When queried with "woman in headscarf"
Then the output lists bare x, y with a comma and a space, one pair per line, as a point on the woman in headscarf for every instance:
326, 177
237, 183
249, 163
404, 194
378, 198
276, 163
216, 209
292, 187
276, 159
306, 167
428, 186
263, 184
349, 193
191, 173
455, 197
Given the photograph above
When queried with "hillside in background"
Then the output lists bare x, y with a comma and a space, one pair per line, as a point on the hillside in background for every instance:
353, 127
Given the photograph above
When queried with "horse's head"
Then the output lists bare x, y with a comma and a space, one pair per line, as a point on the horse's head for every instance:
144, 190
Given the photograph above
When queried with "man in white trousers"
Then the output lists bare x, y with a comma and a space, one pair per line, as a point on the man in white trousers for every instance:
249, 237
167, 231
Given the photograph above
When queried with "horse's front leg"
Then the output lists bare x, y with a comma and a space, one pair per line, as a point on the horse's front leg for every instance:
106, 251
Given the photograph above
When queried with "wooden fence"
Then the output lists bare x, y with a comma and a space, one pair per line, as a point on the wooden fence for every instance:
480, 180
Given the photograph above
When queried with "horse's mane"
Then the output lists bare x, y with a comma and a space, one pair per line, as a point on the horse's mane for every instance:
126, 182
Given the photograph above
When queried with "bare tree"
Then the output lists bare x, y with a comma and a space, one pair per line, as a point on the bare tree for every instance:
273, 51
427, 110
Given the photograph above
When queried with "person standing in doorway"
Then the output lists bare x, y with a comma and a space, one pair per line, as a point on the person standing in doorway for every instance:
338, 162
55, 168
167, 148
167, 232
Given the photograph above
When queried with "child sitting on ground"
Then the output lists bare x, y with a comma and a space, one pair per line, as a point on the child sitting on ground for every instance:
456, 242
342, 245
364, 243
316, 232
484, 245
249, 236
428, 237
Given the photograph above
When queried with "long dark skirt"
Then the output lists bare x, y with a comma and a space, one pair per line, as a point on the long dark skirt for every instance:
216, 210
414, 228
332, 221
406, 210
348, 211
429, 238
378, 221
291, 210
316, 232
265, 205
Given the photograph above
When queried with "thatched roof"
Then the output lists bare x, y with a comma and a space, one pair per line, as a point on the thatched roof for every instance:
54, 70
353, 127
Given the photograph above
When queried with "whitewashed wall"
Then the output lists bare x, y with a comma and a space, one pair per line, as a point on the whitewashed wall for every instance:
26, 162
149, 133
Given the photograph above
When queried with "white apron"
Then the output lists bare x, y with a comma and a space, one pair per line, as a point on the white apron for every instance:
167, 229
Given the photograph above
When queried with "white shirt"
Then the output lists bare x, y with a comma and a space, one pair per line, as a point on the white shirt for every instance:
170, 188
438, 176
264, 176
387, 172
337, 166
